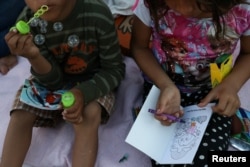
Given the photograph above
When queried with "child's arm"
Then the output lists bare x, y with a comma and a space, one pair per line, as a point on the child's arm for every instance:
227, 91
23, 45
143, 55
43, 68
169, 100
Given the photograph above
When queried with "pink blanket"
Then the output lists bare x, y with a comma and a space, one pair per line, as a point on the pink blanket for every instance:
52, 147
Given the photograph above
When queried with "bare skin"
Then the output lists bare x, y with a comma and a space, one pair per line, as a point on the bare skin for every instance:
169, 100
85, 143
7, 63
85, 119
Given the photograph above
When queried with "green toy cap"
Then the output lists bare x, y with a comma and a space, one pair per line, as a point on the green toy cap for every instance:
22, 27
68, 99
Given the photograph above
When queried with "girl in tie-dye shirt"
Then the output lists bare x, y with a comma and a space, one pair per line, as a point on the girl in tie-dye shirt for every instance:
174, 42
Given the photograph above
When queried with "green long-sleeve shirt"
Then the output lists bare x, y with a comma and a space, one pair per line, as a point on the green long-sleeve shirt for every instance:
94, 61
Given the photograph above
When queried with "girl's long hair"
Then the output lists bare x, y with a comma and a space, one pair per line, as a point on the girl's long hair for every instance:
216, 7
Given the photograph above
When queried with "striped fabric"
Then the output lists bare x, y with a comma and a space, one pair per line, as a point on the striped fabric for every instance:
95, 62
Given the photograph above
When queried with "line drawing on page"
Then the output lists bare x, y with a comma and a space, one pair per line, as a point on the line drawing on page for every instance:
175, 144
186, 135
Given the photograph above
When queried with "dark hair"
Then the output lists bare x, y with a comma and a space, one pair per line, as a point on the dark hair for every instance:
216, 7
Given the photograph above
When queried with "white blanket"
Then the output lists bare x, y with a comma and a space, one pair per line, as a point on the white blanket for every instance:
52, 147
120, 7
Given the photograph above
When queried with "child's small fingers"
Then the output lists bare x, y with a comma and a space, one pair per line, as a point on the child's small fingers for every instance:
64, 112
74, 120
179, 114
70, 115
167, 122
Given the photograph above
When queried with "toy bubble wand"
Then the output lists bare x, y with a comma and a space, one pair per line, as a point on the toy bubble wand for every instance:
68, 99
23, 27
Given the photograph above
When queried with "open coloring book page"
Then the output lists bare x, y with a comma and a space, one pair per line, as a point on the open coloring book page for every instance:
175, 144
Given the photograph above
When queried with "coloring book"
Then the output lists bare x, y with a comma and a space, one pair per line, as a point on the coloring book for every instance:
38, 96
175, 144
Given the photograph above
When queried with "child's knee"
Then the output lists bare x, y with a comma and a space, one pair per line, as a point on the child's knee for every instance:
92, 113
23, 116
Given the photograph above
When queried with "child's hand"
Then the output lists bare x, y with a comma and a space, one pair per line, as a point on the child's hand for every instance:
73, 114
168, 102
227, 97
21, 45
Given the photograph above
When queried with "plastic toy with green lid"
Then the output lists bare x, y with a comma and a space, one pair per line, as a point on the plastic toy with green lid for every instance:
23, 27
68, 99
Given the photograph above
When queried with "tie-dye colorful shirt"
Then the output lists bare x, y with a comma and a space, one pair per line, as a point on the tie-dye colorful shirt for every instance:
186, 46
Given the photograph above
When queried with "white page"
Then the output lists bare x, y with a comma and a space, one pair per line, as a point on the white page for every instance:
145, 132
155, 140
